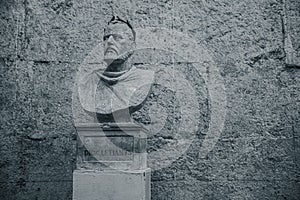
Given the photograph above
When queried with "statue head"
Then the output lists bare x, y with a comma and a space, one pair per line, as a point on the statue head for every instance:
119, 39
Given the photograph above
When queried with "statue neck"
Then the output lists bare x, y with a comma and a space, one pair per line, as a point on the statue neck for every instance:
118, 66
121, 64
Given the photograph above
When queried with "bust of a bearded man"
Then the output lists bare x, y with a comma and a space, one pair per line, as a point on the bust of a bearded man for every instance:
121, 88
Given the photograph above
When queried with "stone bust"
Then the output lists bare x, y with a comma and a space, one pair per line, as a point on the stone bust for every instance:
121, 88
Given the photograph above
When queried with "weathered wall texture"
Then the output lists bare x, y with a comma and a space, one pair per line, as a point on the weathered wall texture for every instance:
257, 156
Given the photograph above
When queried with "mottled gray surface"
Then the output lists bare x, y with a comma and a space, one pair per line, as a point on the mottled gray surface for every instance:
258, 153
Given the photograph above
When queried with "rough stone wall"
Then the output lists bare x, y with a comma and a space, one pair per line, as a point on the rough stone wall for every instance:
257, 154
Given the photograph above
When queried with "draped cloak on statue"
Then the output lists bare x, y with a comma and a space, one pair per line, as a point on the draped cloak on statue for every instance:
108, 92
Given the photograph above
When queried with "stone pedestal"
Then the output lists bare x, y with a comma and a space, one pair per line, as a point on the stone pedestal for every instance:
111, 185
111, 163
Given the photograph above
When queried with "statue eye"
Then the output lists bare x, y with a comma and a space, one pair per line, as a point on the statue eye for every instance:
115, 37
105, 37
118, 37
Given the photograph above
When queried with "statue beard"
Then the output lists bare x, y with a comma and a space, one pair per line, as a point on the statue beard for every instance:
120, 59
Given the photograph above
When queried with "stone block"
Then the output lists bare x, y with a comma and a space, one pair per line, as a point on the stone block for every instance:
47, 159
107, 185
8, 190
44, 190
297, 153
173, 190
10, 160
12, 28
64, 30
163, 190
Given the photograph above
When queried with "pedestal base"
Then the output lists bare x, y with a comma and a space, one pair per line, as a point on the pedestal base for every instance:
111, 185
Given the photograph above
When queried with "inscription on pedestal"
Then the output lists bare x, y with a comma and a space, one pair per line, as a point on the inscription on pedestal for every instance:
108, 148
119, 146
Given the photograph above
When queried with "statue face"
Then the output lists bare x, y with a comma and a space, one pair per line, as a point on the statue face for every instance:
118, 40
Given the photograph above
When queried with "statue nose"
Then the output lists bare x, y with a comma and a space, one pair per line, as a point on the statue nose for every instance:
110, 39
